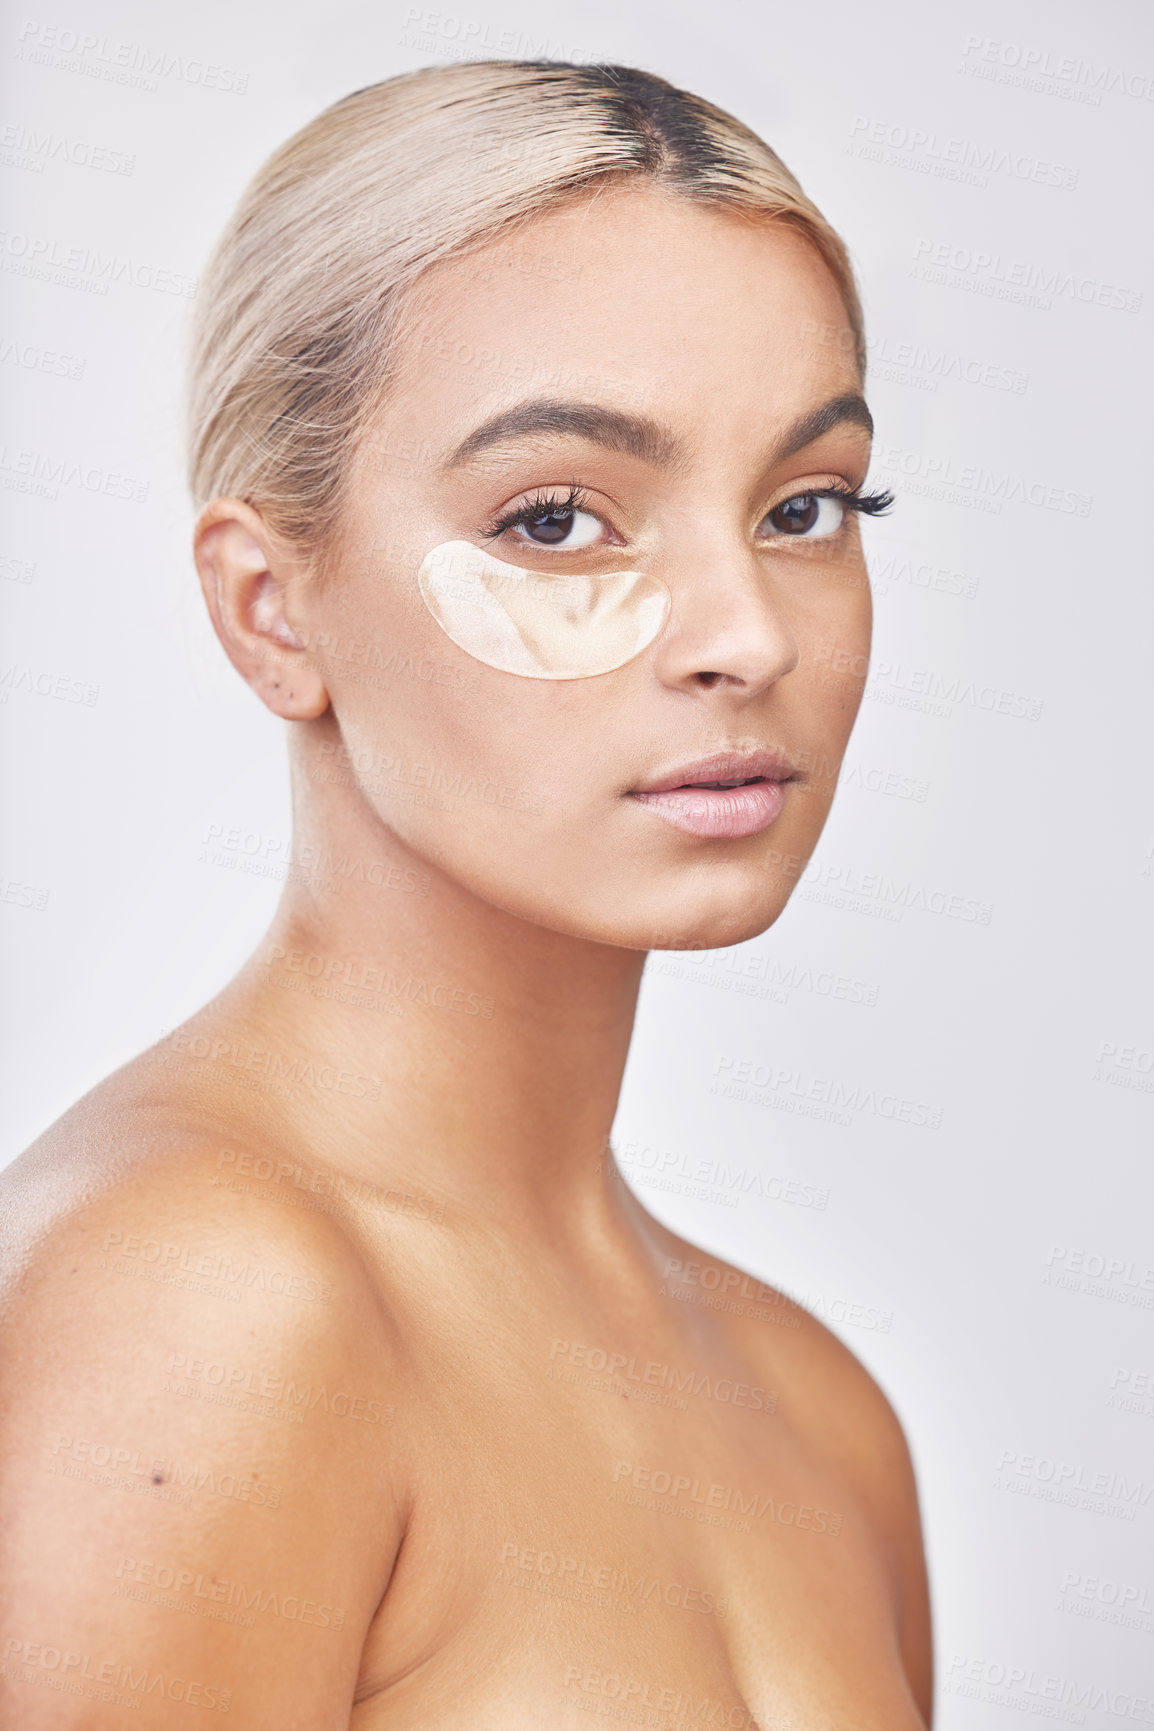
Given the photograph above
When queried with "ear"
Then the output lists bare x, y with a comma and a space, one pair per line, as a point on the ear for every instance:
248, 576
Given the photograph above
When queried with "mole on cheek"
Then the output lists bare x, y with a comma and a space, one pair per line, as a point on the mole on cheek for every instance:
536, 623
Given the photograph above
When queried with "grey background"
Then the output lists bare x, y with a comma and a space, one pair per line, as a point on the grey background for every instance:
972, 936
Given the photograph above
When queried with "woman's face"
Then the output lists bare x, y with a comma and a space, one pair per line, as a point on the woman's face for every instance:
661, 359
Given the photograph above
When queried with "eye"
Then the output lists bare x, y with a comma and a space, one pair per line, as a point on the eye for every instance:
810, 515
559, 526
550, 519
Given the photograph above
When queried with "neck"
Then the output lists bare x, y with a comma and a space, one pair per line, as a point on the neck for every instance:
481, 1055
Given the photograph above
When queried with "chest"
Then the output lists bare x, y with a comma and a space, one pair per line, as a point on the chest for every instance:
612, 1542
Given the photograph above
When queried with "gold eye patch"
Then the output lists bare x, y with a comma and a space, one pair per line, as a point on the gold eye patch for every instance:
538, 624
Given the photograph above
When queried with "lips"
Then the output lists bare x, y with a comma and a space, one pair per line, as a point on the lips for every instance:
723, 797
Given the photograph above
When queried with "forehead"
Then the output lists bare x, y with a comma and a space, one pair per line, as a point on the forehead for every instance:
635, 298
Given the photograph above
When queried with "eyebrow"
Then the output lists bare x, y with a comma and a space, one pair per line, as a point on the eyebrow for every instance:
851, 408
638, 435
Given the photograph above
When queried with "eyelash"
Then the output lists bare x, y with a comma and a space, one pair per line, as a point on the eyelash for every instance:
541, 505
873, 504
868, 504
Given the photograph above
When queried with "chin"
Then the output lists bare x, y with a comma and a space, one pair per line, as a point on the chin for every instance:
716, 927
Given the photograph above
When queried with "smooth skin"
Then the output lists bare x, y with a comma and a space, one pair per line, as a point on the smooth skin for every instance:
344, 1381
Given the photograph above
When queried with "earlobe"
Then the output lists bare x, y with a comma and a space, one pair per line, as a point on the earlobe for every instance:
245, 575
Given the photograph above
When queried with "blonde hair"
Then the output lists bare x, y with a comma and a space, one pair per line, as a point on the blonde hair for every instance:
302, 297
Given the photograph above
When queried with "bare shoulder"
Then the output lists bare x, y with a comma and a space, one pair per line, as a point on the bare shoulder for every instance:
111, 1185
828, 1386
833, 1400
197, 1388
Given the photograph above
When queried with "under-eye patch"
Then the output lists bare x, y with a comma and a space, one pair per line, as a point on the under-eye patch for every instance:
538, 624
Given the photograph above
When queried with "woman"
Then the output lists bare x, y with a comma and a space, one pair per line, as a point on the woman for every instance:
368, 1394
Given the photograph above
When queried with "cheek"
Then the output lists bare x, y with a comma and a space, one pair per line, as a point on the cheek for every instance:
451, 754
828, 683
415, 713
435, 732
836, 645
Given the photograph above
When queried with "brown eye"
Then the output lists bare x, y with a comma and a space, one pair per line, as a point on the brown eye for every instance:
550, 529
810, 514
560, 526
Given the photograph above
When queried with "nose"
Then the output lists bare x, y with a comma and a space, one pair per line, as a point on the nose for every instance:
727, 627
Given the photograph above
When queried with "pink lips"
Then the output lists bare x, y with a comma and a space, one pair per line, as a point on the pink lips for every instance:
725, 812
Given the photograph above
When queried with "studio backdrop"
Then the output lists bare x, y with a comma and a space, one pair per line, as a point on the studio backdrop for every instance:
922, 1103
